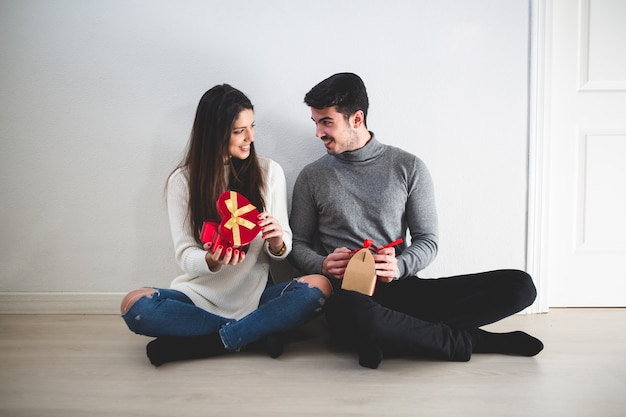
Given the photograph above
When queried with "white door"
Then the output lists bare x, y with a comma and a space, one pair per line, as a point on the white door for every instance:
584, 259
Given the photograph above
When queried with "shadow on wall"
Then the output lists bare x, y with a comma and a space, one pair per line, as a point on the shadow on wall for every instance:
154, 263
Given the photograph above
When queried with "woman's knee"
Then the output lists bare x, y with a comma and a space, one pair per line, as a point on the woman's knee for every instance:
318, 281
132, 297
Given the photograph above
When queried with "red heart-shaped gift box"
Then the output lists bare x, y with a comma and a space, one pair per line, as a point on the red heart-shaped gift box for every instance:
239, 225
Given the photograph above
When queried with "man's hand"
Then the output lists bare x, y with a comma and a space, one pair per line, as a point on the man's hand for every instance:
335, 263
386, 264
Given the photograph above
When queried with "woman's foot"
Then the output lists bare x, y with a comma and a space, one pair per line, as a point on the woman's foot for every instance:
275, 344
370, 355
169, 349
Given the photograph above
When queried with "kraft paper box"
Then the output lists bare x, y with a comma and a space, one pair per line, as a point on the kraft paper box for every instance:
360, 274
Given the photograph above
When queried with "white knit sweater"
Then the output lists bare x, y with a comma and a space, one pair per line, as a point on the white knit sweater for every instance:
233, 291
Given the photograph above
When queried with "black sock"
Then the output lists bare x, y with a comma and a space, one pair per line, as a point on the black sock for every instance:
370, 355
169, 349
513, 343
275, 344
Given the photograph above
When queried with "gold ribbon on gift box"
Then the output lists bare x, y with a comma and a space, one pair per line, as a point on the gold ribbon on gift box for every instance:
235, 217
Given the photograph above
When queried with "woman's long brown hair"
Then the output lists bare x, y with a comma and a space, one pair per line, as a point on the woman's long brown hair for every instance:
208, 152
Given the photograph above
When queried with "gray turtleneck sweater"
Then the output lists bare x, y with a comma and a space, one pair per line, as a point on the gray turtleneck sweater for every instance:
376, 192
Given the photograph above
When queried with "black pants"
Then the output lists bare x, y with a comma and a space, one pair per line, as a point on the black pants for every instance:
429, 317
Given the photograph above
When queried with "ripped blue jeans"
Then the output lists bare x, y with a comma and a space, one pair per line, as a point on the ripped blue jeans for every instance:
170, 313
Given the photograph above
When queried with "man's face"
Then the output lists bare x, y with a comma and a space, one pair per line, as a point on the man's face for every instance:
332, 128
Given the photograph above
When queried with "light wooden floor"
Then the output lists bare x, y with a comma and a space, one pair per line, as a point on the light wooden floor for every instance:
74, 365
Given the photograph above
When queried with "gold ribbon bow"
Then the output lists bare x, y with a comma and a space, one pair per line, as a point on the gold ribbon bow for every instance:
235, 220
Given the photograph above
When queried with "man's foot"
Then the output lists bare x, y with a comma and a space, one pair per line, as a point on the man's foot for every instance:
513, 343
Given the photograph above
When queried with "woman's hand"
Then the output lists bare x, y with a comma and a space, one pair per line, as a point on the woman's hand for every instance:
222, 256
271, 231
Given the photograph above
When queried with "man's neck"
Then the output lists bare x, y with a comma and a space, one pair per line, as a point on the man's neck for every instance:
364, 137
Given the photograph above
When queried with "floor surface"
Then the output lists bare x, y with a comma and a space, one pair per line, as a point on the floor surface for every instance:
77, 365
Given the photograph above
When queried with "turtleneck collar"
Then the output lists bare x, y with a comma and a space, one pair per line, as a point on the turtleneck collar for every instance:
372, 149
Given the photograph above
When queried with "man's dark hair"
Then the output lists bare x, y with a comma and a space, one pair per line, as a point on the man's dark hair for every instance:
344, 90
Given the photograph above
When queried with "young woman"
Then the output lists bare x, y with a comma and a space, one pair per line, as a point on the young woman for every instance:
225, 299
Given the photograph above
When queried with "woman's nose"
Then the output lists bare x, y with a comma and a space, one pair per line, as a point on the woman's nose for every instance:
250, 135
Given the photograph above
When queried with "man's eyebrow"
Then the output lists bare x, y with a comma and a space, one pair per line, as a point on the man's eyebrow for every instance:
323, 119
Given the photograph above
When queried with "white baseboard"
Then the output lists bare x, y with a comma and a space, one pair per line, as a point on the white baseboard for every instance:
60, 303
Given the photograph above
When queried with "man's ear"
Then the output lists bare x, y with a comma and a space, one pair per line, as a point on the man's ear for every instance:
357, 119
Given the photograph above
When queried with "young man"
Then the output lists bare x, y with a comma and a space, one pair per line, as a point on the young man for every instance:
363, 189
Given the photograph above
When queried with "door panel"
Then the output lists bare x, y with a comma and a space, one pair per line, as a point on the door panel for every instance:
586, 127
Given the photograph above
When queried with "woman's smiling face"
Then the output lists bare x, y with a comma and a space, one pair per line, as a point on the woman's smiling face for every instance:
242, 135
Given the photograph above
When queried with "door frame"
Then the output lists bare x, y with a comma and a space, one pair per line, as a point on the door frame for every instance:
538, 150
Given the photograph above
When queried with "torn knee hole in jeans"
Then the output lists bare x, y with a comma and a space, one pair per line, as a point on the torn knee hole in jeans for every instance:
131, 300
302, 280
321, 286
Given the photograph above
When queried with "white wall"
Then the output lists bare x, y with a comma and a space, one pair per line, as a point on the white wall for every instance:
97, 100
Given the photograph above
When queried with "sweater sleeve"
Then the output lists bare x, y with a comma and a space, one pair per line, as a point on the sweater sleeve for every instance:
190, 256
276, 200
421, 215
303, 221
